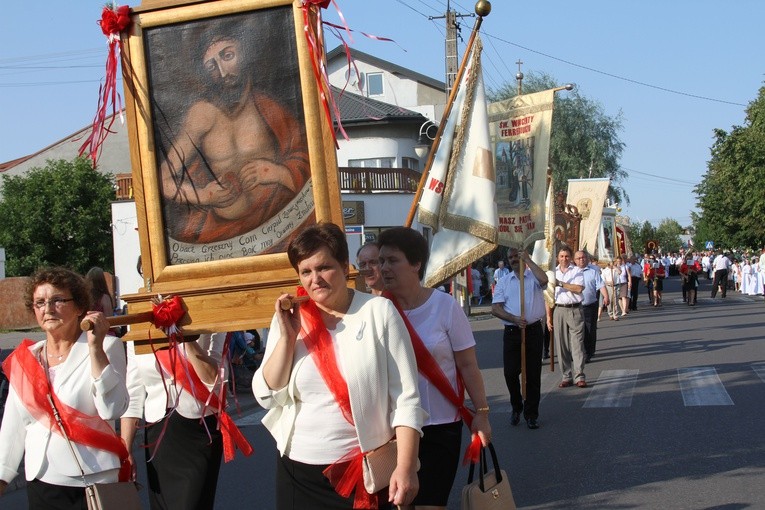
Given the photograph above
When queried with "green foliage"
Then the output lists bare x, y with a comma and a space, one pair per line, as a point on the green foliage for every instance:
668, 235
731, 196
639, 235
57, 215
583, 137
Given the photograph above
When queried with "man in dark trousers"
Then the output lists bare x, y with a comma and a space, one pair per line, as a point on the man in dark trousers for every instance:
506, 305
593, 288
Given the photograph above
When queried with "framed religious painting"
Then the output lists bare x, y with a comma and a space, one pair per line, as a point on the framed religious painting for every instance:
232, 154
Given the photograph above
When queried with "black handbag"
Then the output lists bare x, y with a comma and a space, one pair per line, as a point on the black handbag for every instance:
491, 491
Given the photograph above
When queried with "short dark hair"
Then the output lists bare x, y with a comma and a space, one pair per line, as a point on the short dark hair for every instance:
410, 242
61, 278
566, 249
316, 237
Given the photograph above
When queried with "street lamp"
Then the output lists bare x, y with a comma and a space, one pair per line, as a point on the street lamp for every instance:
425, 139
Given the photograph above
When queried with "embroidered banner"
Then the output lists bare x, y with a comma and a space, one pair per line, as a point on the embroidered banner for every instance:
520, 136
458, 199
589, 196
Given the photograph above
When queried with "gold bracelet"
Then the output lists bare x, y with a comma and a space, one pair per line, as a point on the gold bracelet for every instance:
482, 409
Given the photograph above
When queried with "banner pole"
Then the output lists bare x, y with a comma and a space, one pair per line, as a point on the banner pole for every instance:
523, 331
481, 11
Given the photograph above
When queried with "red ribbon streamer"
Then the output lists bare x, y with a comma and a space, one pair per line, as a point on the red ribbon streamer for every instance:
191, 383
28, 379
114, 20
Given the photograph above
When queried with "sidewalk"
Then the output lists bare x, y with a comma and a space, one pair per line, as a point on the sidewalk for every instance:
11, 339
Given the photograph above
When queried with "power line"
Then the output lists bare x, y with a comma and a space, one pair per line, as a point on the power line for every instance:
412, 8
615, 76
678, 181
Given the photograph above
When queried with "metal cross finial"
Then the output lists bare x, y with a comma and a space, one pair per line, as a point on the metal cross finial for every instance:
519, 77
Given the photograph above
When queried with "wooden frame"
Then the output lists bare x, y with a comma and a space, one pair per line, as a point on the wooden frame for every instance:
185, 120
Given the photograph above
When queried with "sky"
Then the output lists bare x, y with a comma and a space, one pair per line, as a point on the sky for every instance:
673, 71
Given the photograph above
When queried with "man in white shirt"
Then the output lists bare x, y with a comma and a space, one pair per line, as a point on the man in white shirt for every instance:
635, 275
594, 287
568, 320
721, 265
500, 272
506, 305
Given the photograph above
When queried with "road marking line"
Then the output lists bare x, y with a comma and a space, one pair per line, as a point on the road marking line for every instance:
759, 369
701, 386
614, 388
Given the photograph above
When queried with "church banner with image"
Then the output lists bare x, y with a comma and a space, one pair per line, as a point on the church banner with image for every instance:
520, 135
589, 196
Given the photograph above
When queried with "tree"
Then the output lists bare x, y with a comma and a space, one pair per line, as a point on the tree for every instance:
668, 235
583, 137
57, 215
731, 195
640, 235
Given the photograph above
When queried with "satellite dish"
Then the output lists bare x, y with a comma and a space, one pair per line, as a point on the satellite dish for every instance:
354, 78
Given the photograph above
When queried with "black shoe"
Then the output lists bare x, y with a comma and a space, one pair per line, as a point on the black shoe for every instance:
532, 423
515, 418
588, 359
546, 355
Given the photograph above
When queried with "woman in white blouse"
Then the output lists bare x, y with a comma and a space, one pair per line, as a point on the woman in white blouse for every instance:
339, 379
84, 375
184, 445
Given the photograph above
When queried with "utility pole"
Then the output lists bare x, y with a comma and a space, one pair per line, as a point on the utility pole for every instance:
452, 29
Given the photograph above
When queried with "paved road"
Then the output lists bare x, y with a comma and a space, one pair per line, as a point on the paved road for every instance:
672, 418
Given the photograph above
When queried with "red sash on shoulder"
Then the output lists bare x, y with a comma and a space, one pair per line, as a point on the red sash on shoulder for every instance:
345, 474
430, 370
30, 383
184, 374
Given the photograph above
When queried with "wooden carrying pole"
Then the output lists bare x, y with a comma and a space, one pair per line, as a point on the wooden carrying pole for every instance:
120, 320
523, 331
447, 112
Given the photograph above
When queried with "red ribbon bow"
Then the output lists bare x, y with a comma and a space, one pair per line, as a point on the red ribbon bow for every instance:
113, 22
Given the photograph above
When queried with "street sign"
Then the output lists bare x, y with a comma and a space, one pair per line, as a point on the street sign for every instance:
709, 245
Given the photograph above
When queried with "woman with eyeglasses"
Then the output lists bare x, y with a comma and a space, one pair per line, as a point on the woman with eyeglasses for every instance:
81, 375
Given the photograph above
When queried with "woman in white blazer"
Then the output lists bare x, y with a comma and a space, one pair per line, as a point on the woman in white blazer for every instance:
339, 379
84, 372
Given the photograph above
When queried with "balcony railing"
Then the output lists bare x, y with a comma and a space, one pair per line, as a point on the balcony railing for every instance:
371, 180
352, 180
124, 183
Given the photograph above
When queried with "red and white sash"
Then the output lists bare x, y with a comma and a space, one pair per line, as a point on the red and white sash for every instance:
29, 381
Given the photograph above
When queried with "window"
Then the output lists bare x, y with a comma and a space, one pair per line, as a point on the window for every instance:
375, 84
371, 163
410, 163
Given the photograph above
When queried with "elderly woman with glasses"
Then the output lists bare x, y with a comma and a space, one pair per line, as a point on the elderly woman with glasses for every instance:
82, 375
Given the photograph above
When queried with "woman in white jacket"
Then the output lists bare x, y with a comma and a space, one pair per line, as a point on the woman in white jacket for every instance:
84, 374
340, 379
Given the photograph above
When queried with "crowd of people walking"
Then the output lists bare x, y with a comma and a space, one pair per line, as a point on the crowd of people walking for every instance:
343, 373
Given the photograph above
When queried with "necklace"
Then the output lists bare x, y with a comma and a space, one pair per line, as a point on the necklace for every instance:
57, 357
